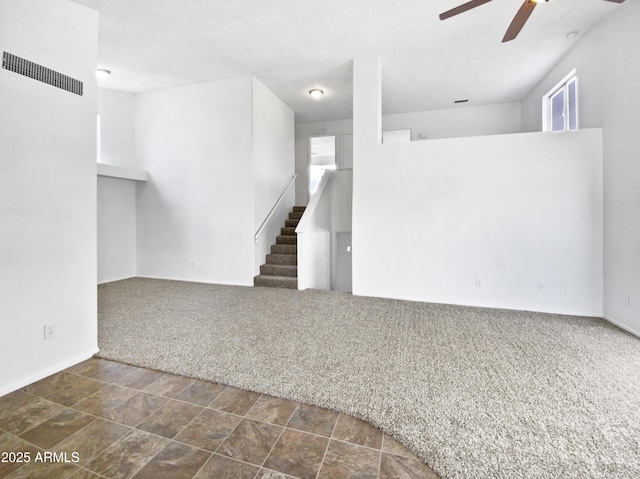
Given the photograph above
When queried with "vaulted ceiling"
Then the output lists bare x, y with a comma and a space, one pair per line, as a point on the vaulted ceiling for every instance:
295, 45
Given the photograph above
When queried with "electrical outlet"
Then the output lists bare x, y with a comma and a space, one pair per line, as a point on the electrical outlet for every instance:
50, 331
478, 283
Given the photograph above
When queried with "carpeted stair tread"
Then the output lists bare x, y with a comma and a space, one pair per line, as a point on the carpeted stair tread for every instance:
287, 239
281, 267
282, 259
276, 281
279, 270
291, 223
284, 249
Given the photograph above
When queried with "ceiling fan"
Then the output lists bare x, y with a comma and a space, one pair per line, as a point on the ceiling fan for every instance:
518, 21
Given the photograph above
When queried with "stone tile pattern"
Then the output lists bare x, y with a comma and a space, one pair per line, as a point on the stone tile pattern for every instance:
105, 420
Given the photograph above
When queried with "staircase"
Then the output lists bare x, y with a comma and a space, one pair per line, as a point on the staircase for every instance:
281, 268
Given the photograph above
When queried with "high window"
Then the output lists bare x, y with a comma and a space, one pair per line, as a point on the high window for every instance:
560, 105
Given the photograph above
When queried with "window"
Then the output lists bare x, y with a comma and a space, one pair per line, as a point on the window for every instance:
560, 105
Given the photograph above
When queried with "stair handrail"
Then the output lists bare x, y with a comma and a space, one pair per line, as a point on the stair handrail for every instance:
313, 202
275, 206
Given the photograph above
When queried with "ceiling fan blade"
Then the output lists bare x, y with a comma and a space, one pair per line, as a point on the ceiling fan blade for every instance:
462, 8
519, 20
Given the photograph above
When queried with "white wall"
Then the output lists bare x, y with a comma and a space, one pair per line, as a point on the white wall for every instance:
117, 137
458, 122
116, 197
196, 214
450, 123
273, 160
341, 200
608, 66
116, 229
510, 211
339, 128
328, 212
273, 149
47, 192
314, 239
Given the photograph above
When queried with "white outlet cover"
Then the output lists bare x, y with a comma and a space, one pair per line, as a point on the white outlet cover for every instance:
50, 331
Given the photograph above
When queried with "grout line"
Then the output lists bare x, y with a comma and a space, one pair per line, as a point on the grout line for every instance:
201, 467
324, 456
380, 458
189, 423
278, 439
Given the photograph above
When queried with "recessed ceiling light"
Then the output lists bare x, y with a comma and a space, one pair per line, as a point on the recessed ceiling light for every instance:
316, 93
101, 74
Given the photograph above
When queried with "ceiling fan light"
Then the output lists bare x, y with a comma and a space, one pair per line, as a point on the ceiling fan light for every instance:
316, 93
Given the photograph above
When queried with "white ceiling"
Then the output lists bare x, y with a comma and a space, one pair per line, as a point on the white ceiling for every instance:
295, 45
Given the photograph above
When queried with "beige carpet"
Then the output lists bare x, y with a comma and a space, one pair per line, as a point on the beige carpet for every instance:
476, 393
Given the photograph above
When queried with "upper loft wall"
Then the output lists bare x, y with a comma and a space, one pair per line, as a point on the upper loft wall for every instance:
451, 123
463, 121
47, 192
117, 137
509, 221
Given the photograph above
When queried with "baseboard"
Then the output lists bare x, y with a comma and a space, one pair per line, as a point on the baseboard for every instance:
470, 304
622, 326
188, 280
115, 279
32, 378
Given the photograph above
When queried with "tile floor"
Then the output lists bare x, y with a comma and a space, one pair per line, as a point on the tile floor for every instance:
102, 419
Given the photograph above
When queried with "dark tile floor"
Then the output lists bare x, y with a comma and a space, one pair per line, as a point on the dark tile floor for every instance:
102, 419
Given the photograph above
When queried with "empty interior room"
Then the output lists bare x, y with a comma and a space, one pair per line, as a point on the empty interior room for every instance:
304, 240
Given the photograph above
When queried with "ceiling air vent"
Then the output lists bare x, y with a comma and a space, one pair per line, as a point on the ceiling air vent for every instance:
38, 72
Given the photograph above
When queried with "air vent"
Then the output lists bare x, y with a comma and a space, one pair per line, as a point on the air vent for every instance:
38, 72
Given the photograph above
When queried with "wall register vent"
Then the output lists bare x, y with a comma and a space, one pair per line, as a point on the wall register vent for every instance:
38, 72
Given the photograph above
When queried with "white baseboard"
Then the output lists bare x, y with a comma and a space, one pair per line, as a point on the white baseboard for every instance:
113, 280
32, 378
622, 326
188, 280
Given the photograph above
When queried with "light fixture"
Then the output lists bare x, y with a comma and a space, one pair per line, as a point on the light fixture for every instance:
101, 74
572, 34
316, 93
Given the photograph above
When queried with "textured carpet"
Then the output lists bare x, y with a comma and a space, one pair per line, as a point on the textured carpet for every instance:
476, 393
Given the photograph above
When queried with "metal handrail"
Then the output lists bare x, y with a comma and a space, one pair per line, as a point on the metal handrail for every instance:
275, 206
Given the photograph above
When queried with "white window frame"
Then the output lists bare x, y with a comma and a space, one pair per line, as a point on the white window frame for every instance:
547, 120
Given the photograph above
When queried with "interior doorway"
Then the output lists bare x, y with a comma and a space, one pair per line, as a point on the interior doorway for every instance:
322, 157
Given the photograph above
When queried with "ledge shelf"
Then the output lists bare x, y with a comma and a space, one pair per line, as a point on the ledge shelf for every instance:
113, 171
